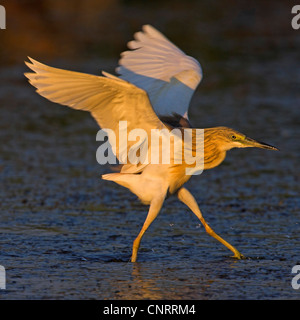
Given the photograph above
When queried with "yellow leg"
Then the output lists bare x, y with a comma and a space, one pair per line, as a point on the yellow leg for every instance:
187, 198
154, 209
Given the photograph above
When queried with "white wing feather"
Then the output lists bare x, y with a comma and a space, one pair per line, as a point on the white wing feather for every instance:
166, 73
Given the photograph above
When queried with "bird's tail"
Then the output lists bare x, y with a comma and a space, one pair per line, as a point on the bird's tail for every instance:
124, 179
111, 176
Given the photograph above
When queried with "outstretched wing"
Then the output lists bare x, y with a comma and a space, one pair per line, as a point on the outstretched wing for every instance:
109, 99
166, 73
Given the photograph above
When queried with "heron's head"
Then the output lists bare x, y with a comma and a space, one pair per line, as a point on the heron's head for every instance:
227, 139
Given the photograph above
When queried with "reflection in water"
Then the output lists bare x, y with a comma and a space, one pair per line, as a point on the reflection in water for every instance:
161, 281
144, 285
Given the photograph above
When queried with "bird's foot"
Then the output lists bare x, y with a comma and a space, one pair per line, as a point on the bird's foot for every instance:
238, 256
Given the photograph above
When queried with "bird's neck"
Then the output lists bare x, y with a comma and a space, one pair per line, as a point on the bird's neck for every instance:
213, 153
211, 161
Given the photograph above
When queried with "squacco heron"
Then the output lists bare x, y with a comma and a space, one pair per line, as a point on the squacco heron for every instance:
153, 89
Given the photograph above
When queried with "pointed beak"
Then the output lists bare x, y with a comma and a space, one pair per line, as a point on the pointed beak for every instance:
253, 143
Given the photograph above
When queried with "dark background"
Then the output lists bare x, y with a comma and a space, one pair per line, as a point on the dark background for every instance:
65, 233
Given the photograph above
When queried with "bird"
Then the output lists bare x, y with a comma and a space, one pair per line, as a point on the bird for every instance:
152, 90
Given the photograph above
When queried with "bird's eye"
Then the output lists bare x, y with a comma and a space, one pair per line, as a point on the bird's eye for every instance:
233, 137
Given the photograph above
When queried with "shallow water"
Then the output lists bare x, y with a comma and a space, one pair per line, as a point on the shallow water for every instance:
66, 234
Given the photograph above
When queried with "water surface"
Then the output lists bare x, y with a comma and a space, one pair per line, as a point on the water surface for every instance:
66, 234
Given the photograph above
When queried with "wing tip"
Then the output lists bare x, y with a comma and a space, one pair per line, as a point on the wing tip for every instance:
31, 61
148, 28
30, 65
